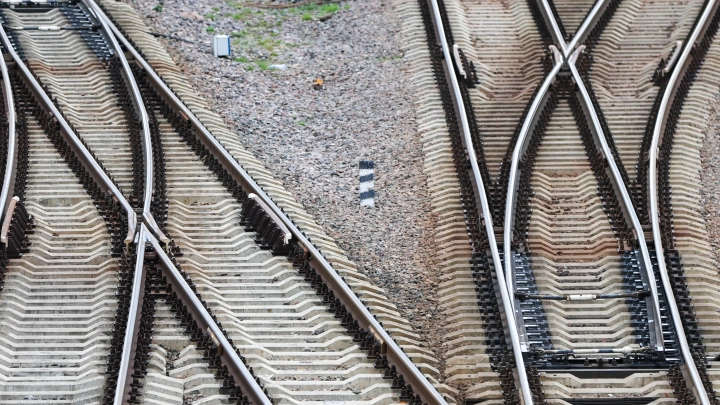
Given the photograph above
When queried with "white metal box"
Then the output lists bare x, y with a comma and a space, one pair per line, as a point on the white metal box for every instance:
221, 45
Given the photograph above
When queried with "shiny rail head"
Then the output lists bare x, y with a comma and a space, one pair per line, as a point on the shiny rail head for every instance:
627, 207
123, 387
702, 23
525, 391
139, 106
242, 376
268, 226
8, 184
71, 138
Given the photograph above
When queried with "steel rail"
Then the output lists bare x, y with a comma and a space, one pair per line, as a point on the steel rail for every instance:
127, 360
625, 200
530, 119
665, 105
690, 367
149, 227
139, 105
8, 186
617, 181
555, 28
590, 20
335, 283
102, 179
561, 55
508, 308
582, 32
514, 177
92, 166
236, 367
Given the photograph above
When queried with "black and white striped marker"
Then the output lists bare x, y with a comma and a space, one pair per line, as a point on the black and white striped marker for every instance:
367, 187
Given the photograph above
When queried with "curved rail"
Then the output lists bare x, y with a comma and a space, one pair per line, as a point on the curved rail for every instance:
11, 163
593, 16
150, 232
139, 106
669, 94
561, 53
590, 20
525, 390
122, 391
236, 367
619, 186
582, 32
514, 177
93, 168
342, 291
555, 31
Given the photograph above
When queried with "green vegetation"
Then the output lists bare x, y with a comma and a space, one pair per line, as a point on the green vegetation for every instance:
243, 14
315, 11
259, 41
331, 8
210, 29
158, 8
263, 64
301, 123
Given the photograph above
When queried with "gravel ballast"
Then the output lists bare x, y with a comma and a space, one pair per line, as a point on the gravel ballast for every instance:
710, 176
312, 91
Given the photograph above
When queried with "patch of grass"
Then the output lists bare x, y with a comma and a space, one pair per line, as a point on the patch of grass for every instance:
158, 8
330, 8
210, 29
211, 17
310, 11
260, 36
262, 64
306, 7
269, 44
301, 123
243, 13
242, 59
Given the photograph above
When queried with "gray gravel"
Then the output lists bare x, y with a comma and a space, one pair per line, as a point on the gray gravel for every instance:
710, 177
313, 136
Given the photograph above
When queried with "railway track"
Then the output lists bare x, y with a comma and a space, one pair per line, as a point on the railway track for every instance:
591, 312
242, 309
148, 259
